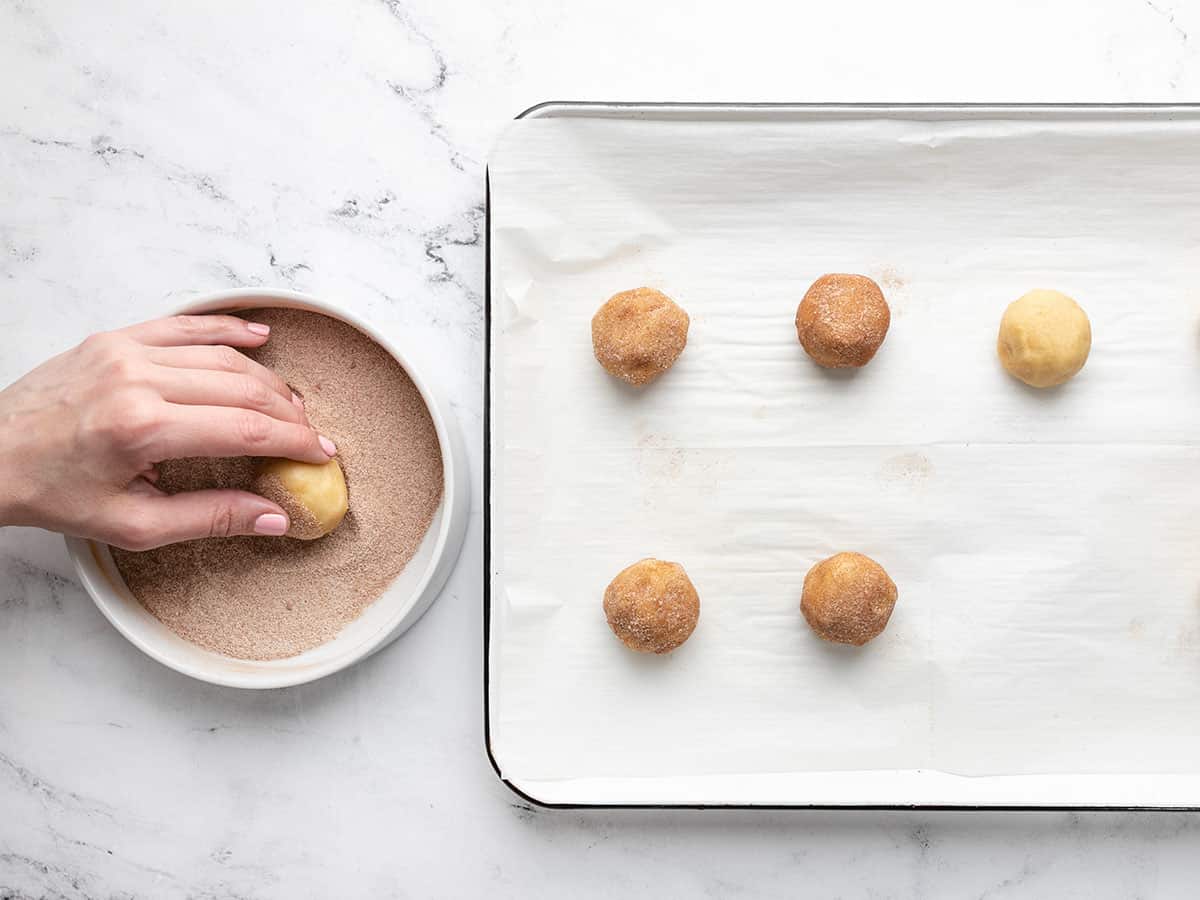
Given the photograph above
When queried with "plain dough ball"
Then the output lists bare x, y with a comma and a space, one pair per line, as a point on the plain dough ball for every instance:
848, 598
652, 606
1044, 338
637, 335
842, 320
313, 495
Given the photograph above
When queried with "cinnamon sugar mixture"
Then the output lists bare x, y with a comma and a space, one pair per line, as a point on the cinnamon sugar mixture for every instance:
272, 597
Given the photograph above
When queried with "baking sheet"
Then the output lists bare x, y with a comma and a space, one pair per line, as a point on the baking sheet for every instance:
1048, 626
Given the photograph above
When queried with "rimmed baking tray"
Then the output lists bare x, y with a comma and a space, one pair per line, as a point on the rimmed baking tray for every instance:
1045, 652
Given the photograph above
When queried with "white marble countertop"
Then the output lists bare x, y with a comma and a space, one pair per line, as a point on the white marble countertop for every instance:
151, 152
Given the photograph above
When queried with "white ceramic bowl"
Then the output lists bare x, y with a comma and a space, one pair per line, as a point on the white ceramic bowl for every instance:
404, 601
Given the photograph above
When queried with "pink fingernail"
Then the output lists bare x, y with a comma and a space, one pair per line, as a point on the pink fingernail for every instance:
259, 328
271, 523
327, 445
296, 400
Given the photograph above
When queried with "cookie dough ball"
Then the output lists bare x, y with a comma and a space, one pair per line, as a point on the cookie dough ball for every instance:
637, 335
842, 320
313, 495
652, 606
848, 598
1044, 338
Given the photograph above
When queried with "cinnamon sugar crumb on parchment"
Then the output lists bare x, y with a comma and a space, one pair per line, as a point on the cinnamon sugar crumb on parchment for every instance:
270, 598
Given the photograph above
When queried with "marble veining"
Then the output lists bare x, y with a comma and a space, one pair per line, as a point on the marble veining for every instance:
149, 153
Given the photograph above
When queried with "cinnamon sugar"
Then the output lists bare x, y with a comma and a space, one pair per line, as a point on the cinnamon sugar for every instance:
637, 335
842, 320
652, 606
268, 597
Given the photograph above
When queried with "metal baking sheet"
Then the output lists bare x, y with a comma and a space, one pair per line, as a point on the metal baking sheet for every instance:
1045, 650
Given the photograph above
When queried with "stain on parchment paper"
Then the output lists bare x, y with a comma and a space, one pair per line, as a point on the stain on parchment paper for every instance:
906, 468
894, 285
890, 278
660, 462
658, 459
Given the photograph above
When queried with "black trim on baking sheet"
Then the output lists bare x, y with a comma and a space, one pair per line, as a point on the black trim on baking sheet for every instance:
487, 463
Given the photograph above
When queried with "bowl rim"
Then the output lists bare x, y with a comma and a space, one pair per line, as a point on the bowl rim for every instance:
87, 567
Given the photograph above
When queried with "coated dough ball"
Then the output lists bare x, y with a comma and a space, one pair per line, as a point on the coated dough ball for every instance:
313, 495
652, 606
842, 320
637, 335
848, 598
1044, 339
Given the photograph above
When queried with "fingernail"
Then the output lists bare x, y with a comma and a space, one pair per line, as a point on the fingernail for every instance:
259, 328
327, 445
271, 523
296, 400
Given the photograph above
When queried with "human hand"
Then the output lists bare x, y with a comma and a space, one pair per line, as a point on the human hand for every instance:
81, 434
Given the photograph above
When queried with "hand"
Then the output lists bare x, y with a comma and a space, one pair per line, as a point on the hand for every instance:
80, 435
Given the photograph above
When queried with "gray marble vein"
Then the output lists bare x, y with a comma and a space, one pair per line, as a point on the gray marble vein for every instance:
1169, 16
422, 98
30, 783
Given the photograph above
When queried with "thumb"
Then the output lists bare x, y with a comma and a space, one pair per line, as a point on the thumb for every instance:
151, 520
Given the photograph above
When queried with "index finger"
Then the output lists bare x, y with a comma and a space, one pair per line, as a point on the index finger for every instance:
180, 331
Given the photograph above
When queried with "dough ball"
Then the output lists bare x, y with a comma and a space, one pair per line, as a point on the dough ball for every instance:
842, 320
637, 335
313, 495
1044, 339
652, 606
848, 598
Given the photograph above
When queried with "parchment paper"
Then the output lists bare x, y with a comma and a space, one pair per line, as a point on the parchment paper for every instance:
1044, 543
